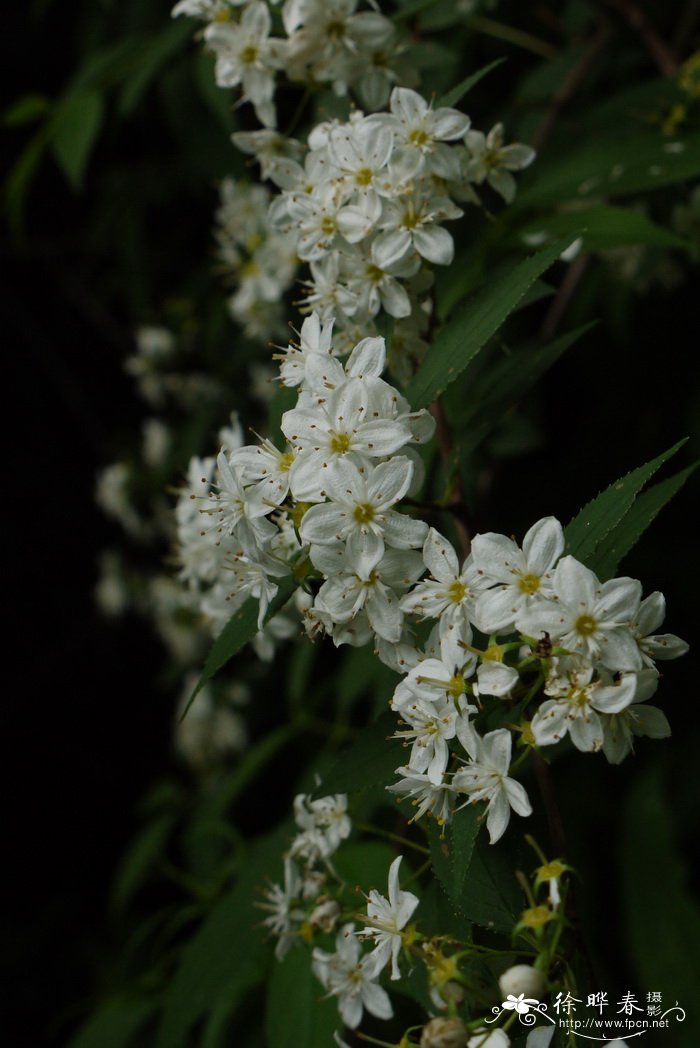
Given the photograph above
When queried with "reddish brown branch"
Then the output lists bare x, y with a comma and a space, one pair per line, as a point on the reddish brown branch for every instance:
660, 52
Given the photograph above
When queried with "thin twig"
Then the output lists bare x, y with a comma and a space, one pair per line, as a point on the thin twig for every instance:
511, 35
445, 445
687, 24
554, 819
660, 52
564, 295
570, 85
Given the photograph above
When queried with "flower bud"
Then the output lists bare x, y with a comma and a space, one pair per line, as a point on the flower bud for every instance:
492, 1039
444, 1033
522, 979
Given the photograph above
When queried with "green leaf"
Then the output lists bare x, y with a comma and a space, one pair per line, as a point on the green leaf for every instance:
661, 915
602, 228
20, 179
365, 864
491, 896
74, 128
140, 859
229, 954
370, 761
505, 383
155, 53
641, 514
115, 1024
457, 93
240, 628
613, 167
451, 852
474, 322
298, 1013
25, 110
599, 517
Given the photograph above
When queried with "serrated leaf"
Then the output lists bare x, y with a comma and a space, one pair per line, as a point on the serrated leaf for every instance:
229, 954
661, 916
474, 322
370, 761
73, 130
598, 518
641, 514
490, 896
602, 228
506, 382
457, 93
115, 1024
155, 53
299, 1013
240, 628
451, 852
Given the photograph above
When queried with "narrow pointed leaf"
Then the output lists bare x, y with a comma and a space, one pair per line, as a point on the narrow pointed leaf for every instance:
240, 628
505, 384
74, 130
457, 93
229, 953
475, 321
642, 513
599, 517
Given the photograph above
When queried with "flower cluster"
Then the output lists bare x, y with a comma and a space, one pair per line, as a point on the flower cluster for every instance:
367, 206
326, 498
324, 42
259, 259
553, 630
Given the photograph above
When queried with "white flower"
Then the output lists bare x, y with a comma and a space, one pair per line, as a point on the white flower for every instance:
450, 591
246, 55
424, 795
346, 975
363, 503
588, 617
620, 728
489, 159
283, 906
420, 130
651, 614
485, 777
385, 920
523, 575
578, 699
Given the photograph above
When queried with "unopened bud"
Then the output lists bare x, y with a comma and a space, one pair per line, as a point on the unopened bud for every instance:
522, 979
444, 1033
490, 1039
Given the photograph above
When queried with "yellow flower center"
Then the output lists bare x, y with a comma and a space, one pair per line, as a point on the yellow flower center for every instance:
586, 625
529, 583
328, 225
249, 55
363, 513
550, 871
286, 461
455, 686
493, 653
457, 591
418, 137
364, 176
340, 443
